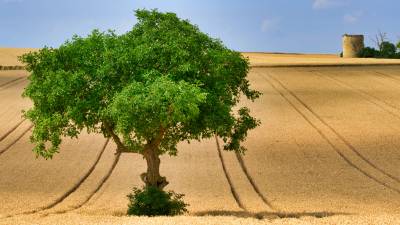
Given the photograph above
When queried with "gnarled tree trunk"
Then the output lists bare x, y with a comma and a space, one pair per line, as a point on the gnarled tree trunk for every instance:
152, 177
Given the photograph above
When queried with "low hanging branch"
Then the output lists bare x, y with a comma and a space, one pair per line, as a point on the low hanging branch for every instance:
120, 147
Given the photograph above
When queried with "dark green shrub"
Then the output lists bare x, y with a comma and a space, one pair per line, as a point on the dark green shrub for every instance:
368, 52
153, 201
388, 50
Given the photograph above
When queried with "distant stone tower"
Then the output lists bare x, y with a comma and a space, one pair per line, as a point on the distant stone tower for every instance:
352, 45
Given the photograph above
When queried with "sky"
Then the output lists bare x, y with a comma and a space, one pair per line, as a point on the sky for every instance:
302, 26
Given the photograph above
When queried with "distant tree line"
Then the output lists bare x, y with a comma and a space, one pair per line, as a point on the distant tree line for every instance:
385, 48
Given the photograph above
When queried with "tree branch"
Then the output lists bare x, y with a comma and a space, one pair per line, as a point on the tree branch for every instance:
121, 148
155, 143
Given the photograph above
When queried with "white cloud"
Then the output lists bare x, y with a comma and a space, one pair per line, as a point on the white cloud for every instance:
268, 25
352, 18
326, 4
322, 4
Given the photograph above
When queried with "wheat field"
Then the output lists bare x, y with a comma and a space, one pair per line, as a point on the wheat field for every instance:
327, 152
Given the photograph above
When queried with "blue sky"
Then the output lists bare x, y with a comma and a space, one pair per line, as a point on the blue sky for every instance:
308, 26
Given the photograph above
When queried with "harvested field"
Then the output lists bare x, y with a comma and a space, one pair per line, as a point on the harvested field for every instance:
326, 153
9, 56
259, 59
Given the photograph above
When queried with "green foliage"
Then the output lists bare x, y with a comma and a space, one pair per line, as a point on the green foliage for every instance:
152, 201
368, 52
386, 50
159, 102
163, 77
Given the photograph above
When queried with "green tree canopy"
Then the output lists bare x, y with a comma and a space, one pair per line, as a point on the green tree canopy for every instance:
388, 50
160, 83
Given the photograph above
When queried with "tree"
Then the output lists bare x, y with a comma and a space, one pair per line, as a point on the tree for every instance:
159, 84
368, 52
388, 50
379, 39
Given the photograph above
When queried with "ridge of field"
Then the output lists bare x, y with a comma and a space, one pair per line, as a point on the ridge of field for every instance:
260, 59
325, 153
9, 57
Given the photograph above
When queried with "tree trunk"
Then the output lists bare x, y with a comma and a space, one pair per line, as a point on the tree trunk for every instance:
152, 177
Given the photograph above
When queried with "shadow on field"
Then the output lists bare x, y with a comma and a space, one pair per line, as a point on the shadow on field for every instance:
268, 215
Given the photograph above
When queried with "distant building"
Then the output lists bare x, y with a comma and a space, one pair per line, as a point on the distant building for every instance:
352, 45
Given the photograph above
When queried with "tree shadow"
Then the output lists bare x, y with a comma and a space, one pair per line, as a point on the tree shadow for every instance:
268, 215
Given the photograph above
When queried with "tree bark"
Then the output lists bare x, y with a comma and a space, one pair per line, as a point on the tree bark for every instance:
152, 177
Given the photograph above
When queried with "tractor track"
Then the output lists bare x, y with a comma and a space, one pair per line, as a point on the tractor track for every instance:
388, 76
372, 102
252, 182
100, 185
11, 130
11, 81
71, 190
5, 149
81, 181
364, 158
350, 146
338, 151
364, 93
228, 177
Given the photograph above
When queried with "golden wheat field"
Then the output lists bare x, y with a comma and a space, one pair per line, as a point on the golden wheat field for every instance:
327, 152
9, 56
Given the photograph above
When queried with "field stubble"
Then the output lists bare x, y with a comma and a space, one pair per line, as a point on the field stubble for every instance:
326, 153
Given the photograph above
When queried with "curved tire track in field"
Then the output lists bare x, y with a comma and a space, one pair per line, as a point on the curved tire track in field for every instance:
397, 80
253, 183
342, 156
228, 177
11, 130
365, 159
80, 182
100, 185
15, 141
70, 191
367, 94
11, 81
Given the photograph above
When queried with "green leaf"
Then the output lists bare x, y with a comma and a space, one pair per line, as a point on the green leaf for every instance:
163, 80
